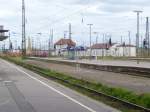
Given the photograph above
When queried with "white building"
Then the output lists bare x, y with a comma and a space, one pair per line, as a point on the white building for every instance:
114, 49
62, 45
102, 49
126, 51
96, 50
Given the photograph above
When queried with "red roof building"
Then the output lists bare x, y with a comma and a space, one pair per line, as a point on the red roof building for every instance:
67, 42
127, 45
101, 46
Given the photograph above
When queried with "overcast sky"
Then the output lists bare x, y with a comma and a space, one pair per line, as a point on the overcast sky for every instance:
114, 17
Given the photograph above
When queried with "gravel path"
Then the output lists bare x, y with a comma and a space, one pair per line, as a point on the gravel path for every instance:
133, 83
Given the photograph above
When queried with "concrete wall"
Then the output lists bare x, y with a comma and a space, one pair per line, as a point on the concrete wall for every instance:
126, 51
113, 51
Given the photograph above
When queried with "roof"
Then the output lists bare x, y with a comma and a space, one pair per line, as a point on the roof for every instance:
127, 45
101, 46
68, 42
3, 38
1, 31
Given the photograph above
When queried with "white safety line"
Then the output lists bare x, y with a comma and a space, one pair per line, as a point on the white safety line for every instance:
5, 102
50, 87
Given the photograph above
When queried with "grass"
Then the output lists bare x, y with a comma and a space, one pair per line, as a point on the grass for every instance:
142, 100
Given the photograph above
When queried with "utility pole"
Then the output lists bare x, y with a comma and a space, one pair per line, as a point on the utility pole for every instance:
39, 44
52, 39
23, 30
50, 42
90, 25
96, 41
147, 35
142, 50
65, 34
121, 41
70, 32
33, 46
103, 44
4, 47
129, 34
9, 42
15, 44
137, 35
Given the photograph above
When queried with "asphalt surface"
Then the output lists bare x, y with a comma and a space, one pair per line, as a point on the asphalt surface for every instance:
24, 91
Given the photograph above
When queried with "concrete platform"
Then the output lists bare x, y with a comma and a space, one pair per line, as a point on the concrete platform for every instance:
24, 91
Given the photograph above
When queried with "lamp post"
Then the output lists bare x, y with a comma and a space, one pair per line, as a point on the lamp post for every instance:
39, 42
97, 34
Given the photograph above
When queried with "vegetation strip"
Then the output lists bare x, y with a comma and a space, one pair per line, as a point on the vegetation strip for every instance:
124, 97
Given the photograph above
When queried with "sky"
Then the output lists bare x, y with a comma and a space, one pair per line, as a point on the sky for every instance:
113, 18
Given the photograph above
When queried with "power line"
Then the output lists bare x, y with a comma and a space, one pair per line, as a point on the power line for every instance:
63, 18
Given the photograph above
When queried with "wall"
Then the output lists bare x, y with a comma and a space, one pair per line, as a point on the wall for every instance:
126, 51
113, 51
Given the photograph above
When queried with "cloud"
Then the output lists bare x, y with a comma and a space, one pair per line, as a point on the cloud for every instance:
119, 6
114, 16
127, 2
115, 6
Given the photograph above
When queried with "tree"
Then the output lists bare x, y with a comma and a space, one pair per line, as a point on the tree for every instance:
110, 42
145, 44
